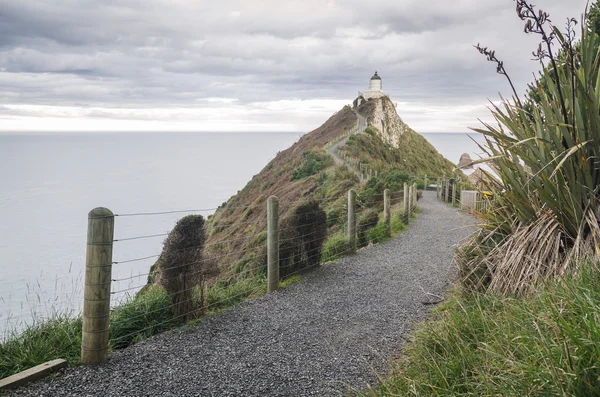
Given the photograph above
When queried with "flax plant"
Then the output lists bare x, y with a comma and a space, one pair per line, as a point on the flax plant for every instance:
545, 214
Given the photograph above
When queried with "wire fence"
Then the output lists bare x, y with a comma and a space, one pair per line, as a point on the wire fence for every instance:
131, 297
453, 192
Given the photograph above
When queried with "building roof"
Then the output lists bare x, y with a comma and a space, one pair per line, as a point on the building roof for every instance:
375, 77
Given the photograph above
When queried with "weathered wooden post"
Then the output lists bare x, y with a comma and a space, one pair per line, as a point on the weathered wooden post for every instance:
447, 191
352, 221
272, 244
414, 195
453, 193
406, 214
425, 184
96, 294
410, 200
387, 212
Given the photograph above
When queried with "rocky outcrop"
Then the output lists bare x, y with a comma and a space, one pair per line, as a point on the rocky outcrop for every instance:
381, 114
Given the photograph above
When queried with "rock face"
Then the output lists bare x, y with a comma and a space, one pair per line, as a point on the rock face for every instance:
465, 161
381, 113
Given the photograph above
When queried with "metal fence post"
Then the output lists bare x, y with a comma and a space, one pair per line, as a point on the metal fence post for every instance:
272, 244
387, 212
96, 295
352, 220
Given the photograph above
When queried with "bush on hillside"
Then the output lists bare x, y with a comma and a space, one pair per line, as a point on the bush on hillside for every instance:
313, 161
372, 194
301, 239
183, 267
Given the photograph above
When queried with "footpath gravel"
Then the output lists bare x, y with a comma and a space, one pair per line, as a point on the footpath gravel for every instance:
331, 333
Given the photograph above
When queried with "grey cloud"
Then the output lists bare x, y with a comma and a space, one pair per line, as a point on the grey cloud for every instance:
161, 53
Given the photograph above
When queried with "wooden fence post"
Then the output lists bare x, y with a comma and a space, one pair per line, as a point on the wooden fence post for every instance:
414, 195
454, 193
96, 295
410, 200
272, 244
425, 184
406, 214
352, 221
447, 191
387, 212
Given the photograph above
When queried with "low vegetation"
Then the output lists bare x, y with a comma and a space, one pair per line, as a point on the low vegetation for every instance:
485, 345
313, 162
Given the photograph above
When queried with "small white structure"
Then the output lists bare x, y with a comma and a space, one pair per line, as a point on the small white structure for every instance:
374, 91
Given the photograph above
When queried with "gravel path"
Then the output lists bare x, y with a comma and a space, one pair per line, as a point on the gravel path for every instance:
333, 331
362, 125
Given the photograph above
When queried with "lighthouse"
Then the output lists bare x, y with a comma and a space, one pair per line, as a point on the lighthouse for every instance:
374, 91
375, 84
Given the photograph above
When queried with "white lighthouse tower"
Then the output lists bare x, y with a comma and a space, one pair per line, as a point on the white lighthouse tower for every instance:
375, 85
374, 91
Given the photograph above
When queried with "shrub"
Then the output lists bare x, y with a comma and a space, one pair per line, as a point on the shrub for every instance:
544, 214
313, 162
182, 266
302, 237
335, 247
367, 220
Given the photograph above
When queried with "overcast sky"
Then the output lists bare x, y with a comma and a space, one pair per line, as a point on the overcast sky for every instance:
254, 65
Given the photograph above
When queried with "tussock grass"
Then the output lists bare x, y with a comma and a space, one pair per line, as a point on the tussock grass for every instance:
488, 345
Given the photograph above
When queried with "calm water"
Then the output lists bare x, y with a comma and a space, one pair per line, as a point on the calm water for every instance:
50, 182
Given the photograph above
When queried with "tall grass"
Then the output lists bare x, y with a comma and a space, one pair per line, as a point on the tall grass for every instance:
487, 345
57, 337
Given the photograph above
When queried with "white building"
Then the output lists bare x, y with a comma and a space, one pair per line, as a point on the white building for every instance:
374, 91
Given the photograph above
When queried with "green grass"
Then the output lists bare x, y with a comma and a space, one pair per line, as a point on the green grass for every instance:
379, 233
486, 345
313, 162
335, 247
146, 314
58, 337
223, 294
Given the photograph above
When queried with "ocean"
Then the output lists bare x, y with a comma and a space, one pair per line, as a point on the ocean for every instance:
51, 181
